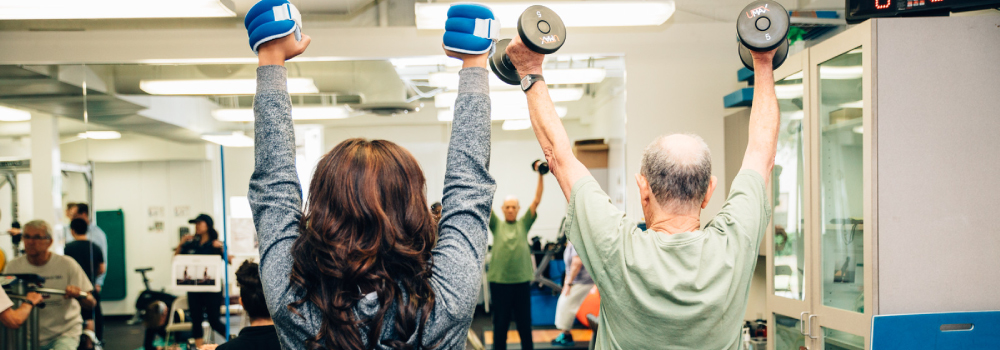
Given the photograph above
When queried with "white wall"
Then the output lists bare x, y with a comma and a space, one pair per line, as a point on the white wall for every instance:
134, 187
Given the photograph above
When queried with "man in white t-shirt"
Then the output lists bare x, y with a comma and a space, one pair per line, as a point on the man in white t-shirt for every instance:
60, 323
13, 318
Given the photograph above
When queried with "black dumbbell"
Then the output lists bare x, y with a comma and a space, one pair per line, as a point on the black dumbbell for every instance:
540, 29
540, 166
763, 26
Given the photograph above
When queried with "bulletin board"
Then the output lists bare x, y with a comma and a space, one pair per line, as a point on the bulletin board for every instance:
112, 222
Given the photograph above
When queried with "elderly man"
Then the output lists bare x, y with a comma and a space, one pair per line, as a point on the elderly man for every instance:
60, 323
510, 270
678, 284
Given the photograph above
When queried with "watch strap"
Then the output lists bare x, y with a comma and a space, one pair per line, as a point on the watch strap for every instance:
530, 80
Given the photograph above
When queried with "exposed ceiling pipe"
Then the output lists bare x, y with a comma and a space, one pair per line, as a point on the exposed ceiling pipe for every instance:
383, 13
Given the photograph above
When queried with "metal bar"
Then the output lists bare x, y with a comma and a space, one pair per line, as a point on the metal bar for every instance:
35, 341
225, 239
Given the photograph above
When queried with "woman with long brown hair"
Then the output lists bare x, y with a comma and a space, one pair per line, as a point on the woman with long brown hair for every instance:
364, 265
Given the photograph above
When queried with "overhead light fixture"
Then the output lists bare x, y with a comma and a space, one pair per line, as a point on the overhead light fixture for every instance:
99, 9
788, 92
571, 76
859, 129
573, 13
220, 86
515, 98
841, 72
797, 115
518, 124
425, 61
855, 104
100, 135
501, 113
234, 139
13, 115
298, 113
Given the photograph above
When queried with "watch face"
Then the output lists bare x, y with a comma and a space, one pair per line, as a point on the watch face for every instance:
526, 83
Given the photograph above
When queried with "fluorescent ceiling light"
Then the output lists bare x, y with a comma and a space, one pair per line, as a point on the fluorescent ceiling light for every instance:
855, 104
573, 13
13, 115
840, 73
234, 139
220, 86
859, 129
788, 92
298, 113
797, 115
501, 113
518, 124
447, 99
100, 135
572, 76
90, 9
425, 61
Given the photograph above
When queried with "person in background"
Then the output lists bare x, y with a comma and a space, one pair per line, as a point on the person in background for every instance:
90, 258
261, 335
575, 288
13, 318
510, 271
60, 322
205, 241
94, 234
436, 211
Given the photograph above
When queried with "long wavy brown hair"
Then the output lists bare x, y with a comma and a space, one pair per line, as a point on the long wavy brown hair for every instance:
366, 229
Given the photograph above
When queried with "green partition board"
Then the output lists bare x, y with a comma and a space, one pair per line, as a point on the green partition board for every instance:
113, 224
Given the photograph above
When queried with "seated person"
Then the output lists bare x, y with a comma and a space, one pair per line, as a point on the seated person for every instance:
13, 318
261, 334
60, 323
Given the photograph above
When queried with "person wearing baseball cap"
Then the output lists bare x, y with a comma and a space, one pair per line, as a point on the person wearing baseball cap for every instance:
204, 241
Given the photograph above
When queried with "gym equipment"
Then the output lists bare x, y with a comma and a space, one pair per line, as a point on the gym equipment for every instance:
9, 170
272, 19
151, 316
763, 26
540, 29
539, 166
470, 29
17, 287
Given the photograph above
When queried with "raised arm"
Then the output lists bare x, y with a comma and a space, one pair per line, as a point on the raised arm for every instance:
468, 194
548, 128
765, 118
538, 194
275, 195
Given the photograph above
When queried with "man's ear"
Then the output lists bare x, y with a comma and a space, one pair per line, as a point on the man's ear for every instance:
711, 188
644, 192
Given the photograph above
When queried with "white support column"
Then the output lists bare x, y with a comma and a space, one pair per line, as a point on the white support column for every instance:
46, 175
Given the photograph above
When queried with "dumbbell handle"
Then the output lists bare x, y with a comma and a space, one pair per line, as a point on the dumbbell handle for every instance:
57, 291
506, 61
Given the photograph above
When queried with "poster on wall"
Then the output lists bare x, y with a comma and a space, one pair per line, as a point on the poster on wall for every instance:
197, 273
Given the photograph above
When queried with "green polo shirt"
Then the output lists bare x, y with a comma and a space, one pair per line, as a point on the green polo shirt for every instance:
670, 291
510, 258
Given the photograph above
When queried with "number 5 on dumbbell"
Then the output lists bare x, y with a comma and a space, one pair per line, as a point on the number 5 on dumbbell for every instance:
543, 33
763, 26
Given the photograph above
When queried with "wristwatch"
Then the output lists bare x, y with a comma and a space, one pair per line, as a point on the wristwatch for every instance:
529, 80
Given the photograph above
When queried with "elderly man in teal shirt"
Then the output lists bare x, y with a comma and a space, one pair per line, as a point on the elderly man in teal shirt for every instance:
510, 270
678, 284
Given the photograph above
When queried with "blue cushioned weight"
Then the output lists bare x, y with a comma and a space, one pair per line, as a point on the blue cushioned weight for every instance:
470, 29
272, 19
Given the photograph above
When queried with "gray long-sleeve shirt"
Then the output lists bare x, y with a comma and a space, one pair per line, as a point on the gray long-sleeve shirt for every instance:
276, 200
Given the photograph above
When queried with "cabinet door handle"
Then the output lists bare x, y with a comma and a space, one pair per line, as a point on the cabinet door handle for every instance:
802, 322
810, 335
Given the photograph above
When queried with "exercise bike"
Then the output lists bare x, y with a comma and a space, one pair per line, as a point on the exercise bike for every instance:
152, 308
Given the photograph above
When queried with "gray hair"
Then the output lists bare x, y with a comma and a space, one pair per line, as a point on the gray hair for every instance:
677, 178
39, 225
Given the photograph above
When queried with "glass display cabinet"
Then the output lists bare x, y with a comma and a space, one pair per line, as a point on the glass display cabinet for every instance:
868, 132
